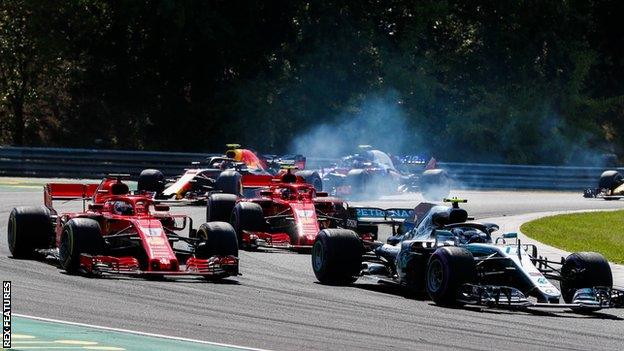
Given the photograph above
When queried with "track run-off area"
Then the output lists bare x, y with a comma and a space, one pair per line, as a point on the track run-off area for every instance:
277, 303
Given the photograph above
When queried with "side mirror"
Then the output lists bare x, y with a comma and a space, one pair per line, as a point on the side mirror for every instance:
511, 235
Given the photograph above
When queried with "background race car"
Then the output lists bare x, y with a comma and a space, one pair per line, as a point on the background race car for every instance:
456, 262
372, 173
120, 233
288, 214
610, 186
238, 172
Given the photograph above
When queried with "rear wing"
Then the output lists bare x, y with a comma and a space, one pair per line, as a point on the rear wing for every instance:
376, 215
66, 191
368, 219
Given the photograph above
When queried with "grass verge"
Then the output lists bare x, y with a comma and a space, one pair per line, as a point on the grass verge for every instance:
601, 232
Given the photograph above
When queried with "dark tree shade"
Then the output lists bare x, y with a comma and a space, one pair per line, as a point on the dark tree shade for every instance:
488, 81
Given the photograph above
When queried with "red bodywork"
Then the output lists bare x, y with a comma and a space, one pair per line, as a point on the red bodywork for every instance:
148, 232
258, 174
295, 213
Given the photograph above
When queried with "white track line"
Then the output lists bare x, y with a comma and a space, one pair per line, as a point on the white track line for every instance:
120, 330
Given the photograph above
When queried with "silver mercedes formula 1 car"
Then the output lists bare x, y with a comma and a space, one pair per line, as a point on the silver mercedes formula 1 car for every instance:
439, 250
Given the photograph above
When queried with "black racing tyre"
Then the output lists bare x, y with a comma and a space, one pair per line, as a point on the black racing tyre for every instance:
219, 240
230, 182
435, 184
80, 236
219, 207
584, 270
151, 180
359, 180
29, 229
312, 178
610, 180
337, 256
448, 269
247, 216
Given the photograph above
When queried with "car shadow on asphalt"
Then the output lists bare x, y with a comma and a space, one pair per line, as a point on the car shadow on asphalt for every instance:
51, 261
423, 297
560, 313
169, 279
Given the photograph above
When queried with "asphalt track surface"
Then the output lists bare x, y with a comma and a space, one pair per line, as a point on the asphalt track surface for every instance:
277, 303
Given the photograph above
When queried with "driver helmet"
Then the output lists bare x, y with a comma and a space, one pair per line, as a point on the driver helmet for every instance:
123, 208
286, 193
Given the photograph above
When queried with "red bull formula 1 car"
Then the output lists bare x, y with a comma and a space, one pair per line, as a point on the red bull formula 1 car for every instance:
239, 172
287, 214
441, 252
120, 233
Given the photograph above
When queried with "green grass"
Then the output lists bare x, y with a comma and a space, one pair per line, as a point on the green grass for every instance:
601, 232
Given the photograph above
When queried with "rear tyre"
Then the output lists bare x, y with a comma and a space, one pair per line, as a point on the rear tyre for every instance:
448, 269
80, 236
247, 216
219, 240
151, 180
435, 184
29, 229
219, 207
610, 180
312, 178
337, 256
584, 270
230, 182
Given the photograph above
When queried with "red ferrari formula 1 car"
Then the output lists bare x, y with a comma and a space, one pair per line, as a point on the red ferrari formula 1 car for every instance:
287, 214
238, 172
120, 233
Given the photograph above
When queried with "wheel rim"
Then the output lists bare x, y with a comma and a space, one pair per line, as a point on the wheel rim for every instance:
435, 275
11, 233
317, 256
65, 247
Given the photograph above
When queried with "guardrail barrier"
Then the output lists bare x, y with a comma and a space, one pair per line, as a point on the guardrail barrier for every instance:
88, 163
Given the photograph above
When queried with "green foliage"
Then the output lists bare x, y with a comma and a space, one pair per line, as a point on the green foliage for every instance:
593, 231
516, 82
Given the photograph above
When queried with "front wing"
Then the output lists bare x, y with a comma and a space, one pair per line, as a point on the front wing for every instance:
216, 266
588, 299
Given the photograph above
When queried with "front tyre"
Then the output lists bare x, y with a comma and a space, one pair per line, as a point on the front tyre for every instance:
247, 216
337, 256
80, 236
230, 182
584, 270
448, 269
219, 207
219, 240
